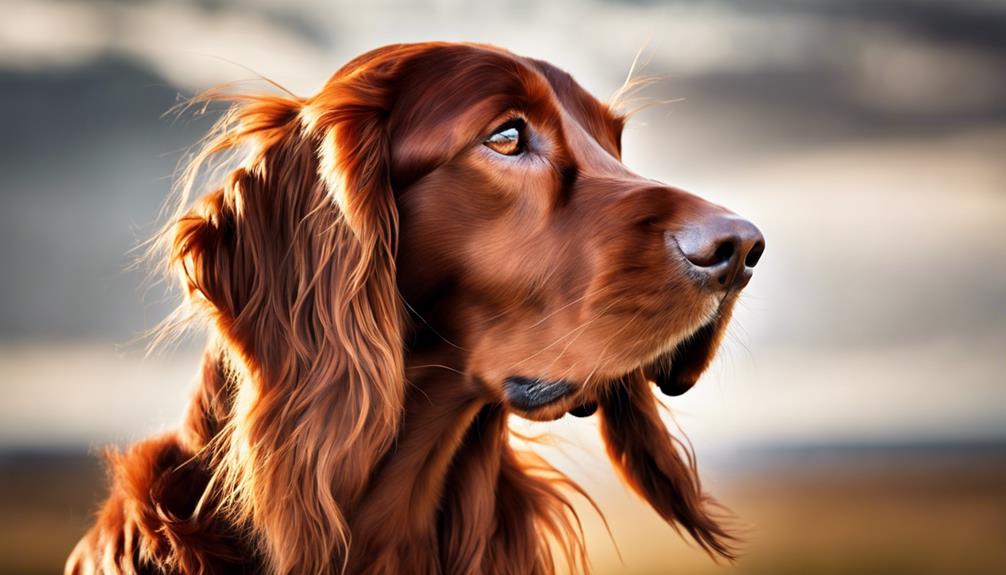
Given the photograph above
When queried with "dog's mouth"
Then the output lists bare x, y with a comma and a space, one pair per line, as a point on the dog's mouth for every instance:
674, 372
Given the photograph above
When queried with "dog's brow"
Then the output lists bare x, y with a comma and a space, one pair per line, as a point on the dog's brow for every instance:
595, 117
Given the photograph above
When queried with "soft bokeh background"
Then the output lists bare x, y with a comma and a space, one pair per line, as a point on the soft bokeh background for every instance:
855, 419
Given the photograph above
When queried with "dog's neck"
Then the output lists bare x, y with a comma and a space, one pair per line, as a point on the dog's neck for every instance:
453, 496
397, 516
448, 495
450, 470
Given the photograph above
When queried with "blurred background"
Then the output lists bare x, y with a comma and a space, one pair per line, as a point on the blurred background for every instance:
855, 419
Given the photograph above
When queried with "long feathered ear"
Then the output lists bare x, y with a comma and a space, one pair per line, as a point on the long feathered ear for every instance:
659, 467
293, 259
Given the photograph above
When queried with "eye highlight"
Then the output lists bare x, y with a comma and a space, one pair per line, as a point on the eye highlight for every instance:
508, 139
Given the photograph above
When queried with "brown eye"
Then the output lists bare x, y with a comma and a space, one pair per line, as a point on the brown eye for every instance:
508, 139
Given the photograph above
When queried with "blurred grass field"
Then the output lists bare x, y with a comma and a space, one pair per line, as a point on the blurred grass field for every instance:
886, 512
916, 516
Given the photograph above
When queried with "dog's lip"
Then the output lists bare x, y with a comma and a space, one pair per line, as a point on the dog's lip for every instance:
662, 370
530, 394
665, 372
584, 410
667, 380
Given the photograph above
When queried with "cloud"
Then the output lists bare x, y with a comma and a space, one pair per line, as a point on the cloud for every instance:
191, 46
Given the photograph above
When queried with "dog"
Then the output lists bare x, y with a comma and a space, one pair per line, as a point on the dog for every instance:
443, 236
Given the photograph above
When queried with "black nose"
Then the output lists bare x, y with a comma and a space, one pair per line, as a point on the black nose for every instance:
723, 247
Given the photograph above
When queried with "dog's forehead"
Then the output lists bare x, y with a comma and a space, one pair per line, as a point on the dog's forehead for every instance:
448, 94
597, 118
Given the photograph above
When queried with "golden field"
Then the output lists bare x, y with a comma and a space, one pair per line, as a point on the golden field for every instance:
881, 512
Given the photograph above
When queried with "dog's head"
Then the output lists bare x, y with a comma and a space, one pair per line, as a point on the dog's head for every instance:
527, 241
484, 193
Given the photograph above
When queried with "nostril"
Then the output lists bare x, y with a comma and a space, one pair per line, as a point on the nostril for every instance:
723, 252
723, 248
755, 254
723, 241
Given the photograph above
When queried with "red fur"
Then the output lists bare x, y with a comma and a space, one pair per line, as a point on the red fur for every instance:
371, 274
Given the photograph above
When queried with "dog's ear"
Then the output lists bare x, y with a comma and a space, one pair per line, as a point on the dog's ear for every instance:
658, 466
202, 251
293, 258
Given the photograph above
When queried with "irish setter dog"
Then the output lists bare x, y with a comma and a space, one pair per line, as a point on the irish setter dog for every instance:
443, 236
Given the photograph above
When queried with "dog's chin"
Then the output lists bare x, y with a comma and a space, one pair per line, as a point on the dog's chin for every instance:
674, 372
539, 399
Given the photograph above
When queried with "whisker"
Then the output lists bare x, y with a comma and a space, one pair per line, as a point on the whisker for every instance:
607, 344
438, 365
547, 316
581, 326
413, 311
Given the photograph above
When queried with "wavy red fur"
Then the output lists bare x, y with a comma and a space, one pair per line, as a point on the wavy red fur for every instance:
371, 276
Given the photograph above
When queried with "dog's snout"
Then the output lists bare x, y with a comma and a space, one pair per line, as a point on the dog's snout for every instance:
723, 247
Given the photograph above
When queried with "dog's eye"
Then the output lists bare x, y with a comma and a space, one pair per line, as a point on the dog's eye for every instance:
508, 138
